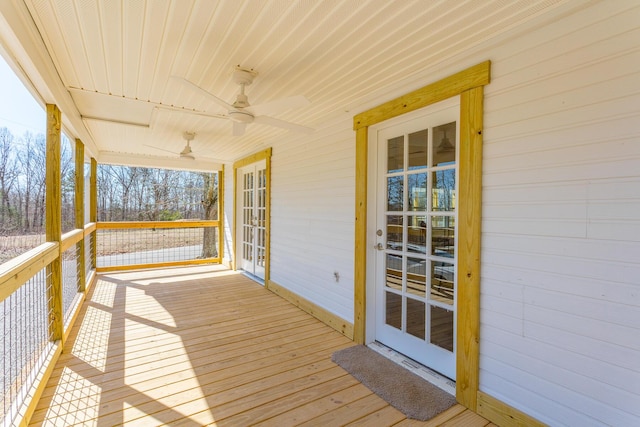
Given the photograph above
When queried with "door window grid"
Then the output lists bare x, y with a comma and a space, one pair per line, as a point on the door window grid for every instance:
247, 217
428, 238
261, 220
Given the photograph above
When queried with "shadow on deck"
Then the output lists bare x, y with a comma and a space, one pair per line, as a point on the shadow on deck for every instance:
206, 346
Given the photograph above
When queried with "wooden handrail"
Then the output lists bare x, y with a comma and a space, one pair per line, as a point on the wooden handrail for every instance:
113, 225
89, 228
17, 271
71, 238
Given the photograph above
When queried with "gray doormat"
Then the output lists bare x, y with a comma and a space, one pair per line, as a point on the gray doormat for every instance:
407, 392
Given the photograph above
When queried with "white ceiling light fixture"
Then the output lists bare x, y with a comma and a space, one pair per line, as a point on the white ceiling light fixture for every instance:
242, 113
187, 152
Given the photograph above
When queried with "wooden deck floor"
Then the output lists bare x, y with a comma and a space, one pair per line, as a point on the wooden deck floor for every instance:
207, 346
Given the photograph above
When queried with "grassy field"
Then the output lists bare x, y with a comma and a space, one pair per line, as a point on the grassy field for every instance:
111, 242
12, 246
127, 241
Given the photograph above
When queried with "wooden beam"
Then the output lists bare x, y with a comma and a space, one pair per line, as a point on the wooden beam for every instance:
326, 317
71, 238
360, 261
135, 225
221, 213
158, 265
53, 216
256, 157
267, 225
478, 75
502, 414
17, 271
79, 211
93, 207
469, 235
232, 223
90, 228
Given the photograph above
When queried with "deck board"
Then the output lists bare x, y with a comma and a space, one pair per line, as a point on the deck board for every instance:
205, 346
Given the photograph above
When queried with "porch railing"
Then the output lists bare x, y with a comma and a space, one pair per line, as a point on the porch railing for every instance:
31, 297
132, 245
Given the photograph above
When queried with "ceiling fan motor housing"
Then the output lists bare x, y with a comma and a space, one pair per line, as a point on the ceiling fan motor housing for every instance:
240, 116
242, 101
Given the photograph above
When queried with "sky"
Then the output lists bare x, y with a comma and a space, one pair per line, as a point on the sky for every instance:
19, 111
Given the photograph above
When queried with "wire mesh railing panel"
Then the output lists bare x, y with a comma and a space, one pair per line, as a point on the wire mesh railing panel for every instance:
89, 244
121, 247
24, 342
70, 281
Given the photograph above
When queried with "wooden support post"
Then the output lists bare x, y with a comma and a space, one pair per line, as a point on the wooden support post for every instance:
221, 213
360, 272
93, 207
53, 206
79, 202
469, 221
267, 225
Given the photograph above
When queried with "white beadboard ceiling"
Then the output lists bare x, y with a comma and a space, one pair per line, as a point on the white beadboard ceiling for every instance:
116, 59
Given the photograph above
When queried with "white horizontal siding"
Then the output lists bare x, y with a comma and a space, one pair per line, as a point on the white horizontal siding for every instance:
561, 220
560, 284
312, 227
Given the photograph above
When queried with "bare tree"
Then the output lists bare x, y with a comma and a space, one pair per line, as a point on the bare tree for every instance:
8, 177
32, 160
210, 204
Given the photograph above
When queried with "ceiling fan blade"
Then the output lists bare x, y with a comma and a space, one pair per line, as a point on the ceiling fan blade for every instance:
239, 128
266, 120
203, 92
279, 105
161, 149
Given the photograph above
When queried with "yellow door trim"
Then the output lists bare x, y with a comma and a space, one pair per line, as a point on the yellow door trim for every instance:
256, 157
469, 85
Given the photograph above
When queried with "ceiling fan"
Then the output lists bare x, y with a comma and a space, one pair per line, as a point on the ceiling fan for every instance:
187, 152
242, 113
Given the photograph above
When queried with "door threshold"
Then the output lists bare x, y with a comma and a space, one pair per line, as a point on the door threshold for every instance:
253, 277
419, 369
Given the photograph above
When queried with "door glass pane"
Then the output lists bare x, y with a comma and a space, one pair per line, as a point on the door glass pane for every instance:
395, 193
442, 289
418, 143
444, 144
416, 276
394, 271
441, 330
417, 234
395, 154
394, 232
443, 230
417, 191
444, 190
416, 318
393, 312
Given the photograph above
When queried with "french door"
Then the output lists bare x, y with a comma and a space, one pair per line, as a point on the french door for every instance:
252, 210
415, 236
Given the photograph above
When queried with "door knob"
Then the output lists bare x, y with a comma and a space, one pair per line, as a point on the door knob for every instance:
379, 247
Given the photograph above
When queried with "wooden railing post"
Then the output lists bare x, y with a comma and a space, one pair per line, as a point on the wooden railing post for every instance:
221, 213
53, 206
93, 207
79, 201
